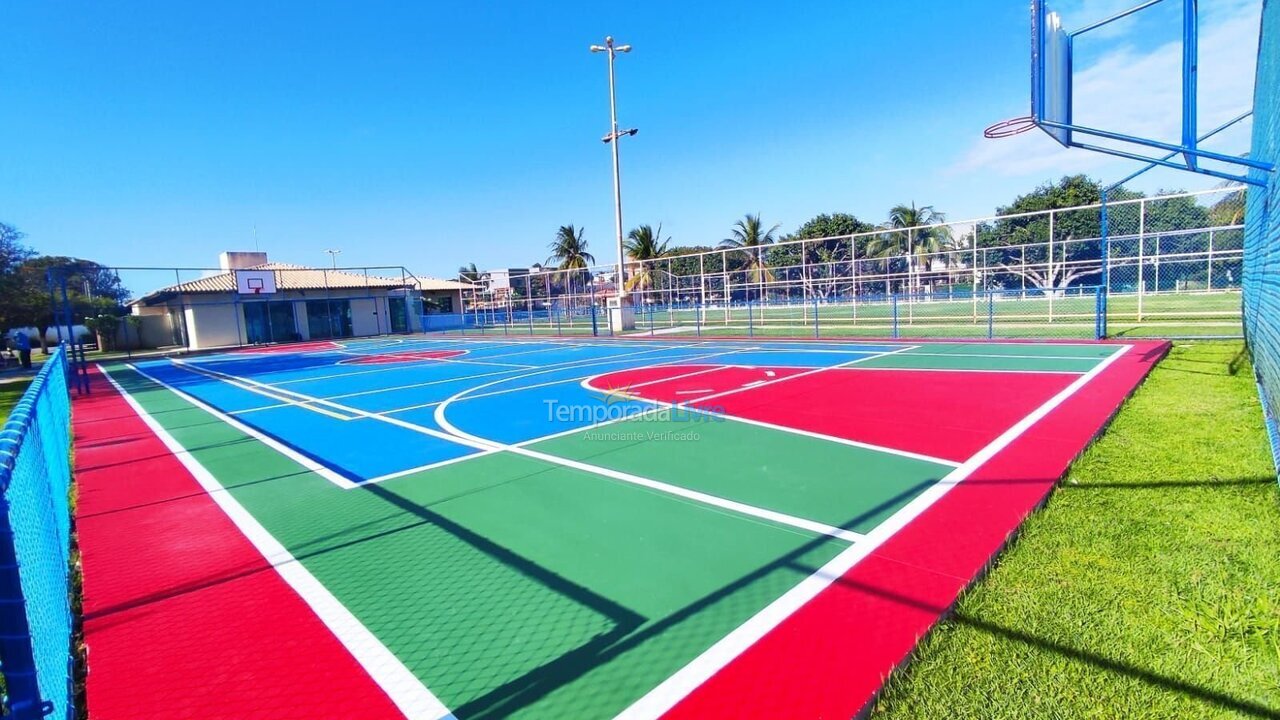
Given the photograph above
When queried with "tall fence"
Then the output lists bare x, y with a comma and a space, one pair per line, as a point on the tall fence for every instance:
1262, 236
1170, 265
35, 532
954, 314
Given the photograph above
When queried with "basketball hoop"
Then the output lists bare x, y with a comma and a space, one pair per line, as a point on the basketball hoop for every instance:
1010, 127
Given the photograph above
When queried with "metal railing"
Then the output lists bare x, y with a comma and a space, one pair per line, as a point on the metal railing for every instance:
1173, 265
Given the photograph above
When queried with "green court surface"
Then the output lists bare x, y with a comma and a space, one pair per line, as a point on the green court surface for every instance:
518, 565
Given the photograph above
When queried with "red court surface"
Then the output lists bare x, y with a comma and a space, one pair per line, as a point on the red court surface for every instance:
184, 594
188, 614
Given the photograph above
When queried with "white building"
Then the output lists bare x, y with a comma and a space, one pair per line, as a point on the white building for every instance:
288, 303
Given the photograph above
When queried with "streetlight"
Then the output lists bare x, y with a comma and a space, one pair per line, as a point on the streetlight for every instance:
333, 255
612, 138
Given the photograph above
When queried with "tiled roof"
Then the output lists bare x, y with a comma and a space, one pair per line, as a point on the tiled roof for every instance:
438, 284
288, 277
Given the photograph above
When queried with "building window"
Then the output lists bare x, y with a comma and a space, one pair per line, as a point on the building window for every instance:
268, 322
328, 319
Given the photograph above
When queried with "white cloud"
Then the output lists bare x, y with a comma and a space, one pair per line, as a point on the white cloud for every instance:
1137, 93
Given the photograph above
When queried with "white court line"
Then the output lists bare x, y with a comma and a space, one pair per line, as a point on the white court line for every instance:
254, 387
455, 435
677, 687
584, 362
424, 468
1018, 357
758, 423
865, 368
577, 364
409, 694
269, 441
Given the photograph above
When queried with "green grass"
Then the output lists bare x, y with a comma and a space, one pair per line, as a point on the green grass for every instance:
1149, 587
10, 394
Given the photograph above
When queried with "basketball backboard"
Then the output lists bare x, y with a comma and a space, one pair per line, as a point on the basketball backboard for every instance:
1050, 72
255, 282
1053, 99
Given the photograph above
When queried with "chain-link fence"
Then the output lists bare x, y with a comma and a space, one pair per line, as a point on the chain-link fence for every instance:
35, 548
1169, 266
1262, 234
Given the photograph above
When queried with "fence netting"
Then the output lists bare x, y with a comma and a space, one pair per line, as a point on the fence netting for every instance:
35, 534
1166, 266
1262, 235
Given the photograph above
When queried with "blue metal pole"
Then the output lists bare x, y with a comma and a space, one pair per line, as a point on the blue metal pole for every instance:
894, 301
815, 318
1190, 52
991, 314
1106, 263
751, 328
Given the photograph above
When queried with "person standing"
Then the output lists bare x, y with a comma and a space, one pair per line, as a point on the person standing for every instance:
23, 344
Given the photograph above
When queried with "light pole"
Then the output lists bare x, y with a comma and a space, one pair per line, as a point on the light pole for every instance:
333, 255
612, 138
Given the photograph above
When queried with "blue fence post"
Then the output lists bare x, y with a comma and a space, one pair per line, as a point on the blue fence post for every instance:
697, 318
1099, 315
751, 322
816, 335
893, 298
991, 314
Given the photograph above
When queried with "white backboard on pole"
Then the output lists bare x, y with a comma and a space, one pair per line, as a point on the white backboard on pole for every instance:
255, 282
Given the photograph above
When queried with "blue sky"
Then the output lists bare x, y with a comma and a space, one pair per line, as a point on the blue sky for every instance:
433, 134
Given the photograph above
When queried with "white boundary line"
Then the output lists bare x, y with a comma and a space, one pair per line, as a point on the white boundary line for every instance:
269, 441
424, 468
686, 406
409, 694
976, 370
704, 398
675, 688
455, 435
262, 389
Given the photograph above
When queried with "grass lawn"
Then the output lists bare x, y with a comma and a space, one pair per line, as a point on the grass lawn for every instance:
1149, 587
10, 393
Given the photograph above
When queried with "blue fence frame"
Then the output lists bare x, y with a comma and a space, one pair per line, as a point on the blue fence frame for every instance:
35, 548
986, 314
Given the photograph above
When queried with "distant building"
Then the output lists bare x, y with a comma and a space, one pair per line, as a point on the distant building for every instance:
256, 301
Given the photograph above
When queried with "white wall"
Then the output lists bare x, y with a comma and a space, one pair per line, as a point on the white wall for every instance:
214, 325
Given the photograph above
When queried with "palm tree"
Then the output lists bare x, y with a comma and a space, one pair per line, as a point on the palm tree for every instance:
920, 241
748, 235
569, 252
469, 273
569, 249
644, 244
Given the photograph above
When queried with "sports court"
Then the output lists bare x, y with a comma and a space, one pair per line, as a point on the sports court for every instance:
633, 527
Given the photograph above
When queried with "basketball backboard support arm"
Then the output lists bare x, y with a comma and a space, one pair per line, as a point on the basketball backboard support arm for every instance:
1051, 95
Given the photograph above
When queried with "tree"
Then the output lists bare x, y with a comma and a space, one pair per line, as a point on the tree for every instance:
469, 273
12, 255
91, 290
569, 249
644, 245
1019, 245
910, 237
749, 236
569, 252
821, 266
